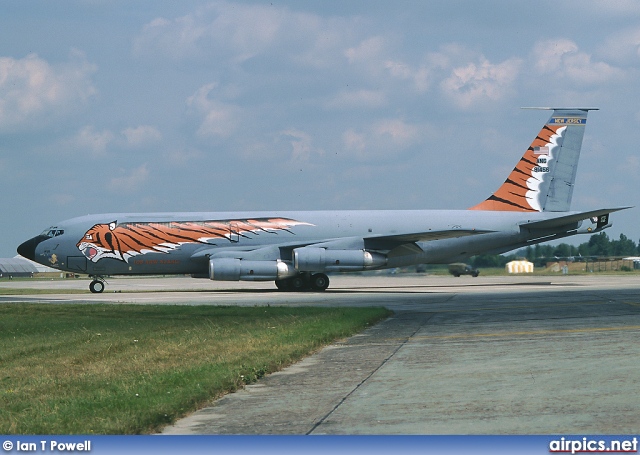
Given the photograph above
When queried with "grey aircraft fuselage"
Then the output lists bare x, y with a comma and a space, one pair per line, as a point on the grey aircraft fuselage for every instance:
407, 237
297, 249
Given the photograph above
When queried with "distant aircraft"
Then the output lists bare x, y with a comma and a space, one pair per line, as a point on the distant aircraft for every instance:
298, 249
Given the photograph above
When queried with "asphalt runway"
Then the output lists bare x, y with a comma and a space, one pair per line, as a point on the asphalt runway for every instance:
513, 355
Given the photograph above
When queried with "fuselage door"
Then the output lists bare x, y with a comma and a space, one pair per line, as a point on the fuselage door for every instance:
234, 233
77, 263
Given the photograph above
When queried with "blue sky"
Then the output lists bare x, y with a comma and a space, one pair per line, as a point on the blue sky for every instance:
116, 106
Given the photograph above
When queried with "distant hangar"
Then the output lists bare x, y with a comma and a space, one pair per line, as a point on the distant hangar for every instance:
20, 267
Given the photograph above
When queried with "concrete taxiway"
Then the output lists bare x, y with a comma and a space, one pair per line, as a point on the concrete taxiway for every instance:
517, 355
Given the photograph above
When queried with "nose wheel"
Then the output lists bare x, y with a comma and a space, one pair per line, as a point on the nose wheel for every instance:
96, 286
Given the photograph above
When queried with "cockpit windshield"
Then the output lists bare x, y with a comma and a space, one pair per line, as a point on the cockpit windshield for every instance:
52, 232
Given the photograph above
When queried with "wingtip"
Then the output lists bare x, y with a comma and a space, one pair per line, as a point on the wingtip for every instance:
562, 108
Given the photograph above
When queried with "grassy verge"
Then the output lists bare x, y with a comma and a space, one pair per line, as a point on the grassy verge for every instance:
129, 369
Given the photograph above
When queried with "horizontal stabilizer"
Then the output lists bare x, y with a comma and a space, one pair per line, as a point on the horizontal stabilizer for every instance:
570, 218
563, 108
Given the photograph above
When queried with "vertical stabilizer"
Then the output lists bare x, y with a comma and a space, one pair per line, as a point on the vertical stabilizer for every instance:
543, 179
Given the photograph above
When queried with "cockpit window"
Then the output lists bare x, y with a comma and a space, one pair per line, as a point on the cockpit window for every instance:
52, 232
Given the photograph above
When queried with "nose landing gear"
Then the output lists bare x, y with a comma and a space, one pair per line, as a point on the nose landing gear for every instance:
97, 285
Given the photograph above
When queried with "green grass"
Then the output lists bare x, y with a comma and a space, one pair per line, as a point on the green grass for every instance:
130, 369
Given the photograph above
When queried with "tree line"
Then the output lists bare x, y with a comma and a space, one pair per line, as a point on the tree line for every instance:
599, 245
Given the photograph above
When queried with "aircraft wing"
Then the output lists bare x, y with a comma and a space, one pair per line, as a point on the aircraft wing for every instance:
388, 242
405, 244
396, 244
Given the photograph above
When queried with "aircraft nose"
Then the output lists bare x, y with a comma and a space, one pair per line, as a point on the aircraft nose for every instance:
28, 249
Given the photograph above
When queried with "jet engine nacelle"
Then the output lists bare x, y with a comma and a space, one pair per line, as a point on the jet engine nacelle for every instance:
231, 269
310, 259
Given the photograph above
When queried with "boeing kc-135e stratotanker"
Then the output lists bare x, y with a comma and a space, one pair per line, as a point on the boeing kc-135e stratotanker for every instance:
298, 249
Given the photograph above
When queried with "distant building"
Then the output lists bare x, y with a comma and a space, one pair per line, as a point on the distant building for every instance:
21, 267
519, 267
634, 260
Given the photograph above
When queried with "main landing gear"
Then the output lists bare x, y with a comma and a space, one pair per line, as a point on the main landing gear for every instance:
97, 285
304, 282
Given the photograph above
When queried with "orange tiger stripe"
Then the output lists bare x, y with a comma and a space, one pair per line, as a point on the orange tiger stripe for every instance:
512, 195
130, 239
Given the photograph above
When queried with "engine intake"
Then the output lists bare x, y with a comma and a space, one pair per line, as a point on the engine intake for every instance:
231, 269
310, 259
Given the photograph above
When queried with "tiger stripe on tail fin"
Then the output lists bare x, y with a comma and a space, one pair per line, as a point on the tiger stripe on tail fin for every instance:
543, 179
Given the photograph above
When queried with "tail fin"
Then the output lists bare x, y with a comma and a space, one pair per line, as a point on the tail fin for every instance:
543, 179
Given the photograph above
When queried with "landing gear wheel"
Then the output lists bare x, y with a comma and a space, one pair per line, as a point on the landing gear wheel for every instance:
96, 286
319, 281
297, 283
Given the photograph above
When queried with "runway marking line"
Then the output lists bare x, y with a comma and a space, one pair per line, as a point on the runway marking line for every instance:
526, 332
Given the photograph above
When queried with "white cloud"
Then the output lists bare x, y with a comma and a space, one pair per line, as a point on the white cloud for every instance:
174, 38
374, 57
184, 156
622, 47
354, 141
357, 99
615, 8
318, 41
563, 59
421, 77
581, 68
130, 180
141, 135
384, 138
548, 55
92, 141
367, 50
454, 68
480, 82
302, 148
400, 133
32, 91
219, 119
62, 199
236, 31
630, 165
